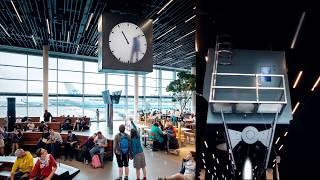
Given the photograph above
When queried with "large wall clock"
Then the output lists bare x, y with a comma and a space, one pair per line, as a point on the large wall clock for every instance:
125, 44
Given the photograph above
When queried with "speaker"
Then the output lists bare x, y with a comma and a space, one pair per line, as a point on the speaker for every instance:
11, 113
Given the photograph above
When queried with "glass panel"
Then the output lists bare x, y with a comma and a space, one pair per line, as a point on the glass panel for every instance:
165, 83
21, 106
70, 88
52, 87
91, 67
113, 88
65, 64
131, 91
69, 76
35, 74
167, 74
131, 80
52, 63
93, 89
152, 82
152, 91
35, 106
52, 75
8, 72
154, 74
35, 87
13, 86
70, 106
114, 79
164, 92
94, 78
35, 61
13, 59
52, 106
91, 105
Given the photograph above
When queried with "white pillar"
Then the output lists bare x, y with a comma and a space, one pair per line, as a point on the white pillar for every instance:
45, 54
136, 96
194, 102
126, 104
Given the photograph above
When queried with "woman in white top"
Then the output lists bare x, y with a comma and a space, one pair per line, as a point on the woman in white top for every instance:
189, 166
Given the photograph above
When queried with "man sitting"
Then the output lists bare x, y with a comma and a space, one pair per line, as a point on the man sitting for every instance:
69, 145
66, 124
30, 125
55, 141
100, 143
158, 137
22, 165
42, 126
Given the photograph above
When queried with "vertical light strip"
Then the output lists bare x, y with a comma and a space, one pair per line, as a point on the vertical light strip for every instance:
285, 134
164, 6
297, 79
297, 31
281, 147
88, 23
315, 84
213, 156
77, 49
203, 154
205, 143
295, 107
277, 140
15, 9
48, 26
34, 40
68, 37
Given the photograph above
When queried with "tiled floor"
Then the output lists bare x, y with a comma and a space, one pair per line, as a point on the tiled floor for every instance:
159, 163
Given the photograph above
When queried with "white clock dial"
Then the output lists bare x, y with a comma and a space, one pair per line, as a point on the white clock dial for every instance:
127, 42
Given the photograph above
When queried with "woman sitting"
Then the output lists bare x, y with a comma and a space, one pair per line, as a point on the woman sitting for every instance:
16, 141
45, 166
159, 140
30, 125
87, 147
172, 143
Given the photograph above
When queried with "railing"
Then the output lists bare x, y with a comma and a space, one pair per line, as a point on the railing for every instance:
258, 86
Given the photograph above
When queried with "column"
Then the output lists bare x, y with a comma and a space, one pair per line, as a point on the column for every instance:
160, 89
136, 96
194, 104
45, 54
126, 104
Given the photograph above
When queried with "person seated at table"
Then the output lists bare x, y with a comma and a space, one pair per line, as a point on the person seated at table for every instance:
16, 141
30, 125
86, 147
158, 137
161, 126
43, 141
55, 141
70, 145
45, 166
100, 143
42, 125
187, 171
76, 125
172, 142
84, 124
66, 124
22, 166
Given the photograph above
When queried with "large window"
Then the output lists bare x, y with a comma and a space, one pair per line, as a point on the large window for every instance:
75, 87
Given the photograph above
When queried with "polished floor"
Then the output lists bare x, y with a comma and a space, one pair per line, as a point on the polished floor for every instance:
159, 164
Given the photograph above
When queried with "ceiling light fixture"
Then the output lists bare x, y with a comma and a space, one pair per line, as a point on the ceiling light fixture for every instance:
190, 19
204, 166
97, 51
203, 154
164, 6
227, 167
166, 33
212, 155
205, 143
206, 58
155, 21
203, 161
217, 161
274, 160
185, 35
295, 107
208, 171
190, 57
277, 140
297, 79
91, 15
273, 165
298, 30
190, 53
15, 9
34, 40
315, 84
5, 30
194, 7
285, 134
280, 147
174, 48
48, 26
97, 42
68, 37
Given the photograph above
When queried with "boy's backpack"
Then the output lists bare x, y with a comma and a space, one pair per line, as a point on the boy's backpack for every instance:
95, 162
124, 144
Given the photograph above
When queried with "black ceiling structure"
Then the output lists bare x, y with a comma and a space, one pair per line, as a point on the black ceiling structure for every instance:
71, 26
263, 26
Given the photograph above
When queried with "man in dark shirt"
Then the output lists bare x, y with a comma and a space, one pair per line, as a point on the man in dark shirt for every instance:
70, 145
47, 116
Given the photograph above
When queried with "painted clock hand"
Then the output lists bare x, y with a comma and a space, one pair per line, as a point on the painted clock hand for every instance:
125, 37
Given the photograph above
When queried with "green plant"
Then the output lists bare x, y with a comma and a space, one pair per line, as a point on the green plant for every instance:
182, 89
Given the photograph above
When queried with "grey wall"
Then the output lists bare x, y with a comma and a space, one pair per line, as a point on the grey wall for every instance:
249, 62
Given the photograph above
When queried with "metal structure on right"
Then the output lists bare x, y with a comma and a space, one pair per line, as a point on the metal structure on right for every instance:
249, 88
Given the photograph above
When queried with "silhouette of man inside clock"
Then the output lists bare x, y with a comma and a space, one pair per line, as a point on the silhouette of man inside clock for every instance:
135, 50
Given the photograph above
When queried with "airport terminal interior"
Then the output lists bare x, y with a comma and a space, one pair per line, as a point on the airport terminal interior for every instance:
159, 90
59, 95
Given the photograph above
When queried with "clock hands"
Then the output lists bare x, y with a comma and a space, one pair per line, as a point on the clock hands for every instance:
125, 37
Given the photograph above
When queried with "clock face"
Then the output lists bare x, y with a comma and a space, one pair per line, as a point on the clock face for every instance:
127, 42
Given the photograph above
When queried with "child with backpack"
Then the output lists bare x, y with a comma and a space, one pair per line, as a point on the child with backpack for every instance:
122, 148
139, 161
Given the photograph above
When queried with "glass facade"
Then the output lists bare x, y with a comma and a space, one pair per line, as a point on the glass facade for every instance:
75, 87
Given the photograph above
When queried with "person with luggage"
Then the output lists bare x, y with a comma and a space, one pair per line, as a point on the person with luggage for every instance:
100, 143
122, 148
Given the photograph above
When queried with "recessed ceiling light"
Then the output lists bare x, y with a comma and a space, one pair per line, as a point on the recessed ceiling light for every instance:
315, 84
164, 6
295, 107
48, 26
15, 9
297, 79
277, 140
